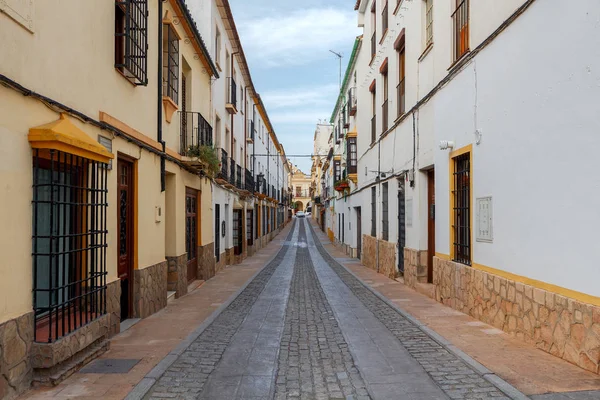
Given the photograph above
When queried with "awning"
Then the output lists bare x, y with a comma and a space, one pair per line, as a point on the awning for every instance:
64, 136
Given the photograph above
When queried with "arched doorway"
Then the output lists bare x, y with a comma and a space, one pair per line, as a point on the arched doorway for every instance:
299, 206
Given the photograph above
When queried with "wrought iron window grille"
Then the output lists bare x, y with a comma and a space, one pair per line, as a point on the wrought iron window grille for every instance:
131, 40
69, 240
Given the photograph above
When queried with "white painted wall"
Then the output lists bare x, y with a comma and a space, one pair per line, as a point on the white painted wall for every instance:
538, 114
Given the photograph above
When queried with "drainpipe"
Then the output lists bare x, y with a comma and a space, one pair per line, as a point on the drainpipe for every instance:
379, 197
159, 115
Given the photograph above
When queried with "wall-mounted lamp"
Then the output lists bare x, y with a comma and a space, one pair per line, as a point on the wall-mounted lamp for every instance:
446, 144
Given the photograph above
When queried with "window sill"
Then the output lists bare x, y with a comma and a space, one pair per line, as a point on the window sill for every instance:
125, 77
384, 35
170, 108
426, 52
398, 7
459, 61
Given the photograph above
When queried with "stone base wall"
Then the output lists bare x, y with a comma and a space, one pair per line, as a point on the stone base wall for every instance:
251, 250
561, 326
230, 256
222, 262
206, 261
387, 256
53, 362
177, 275
415, 267
113, 307
150, 290
16, 338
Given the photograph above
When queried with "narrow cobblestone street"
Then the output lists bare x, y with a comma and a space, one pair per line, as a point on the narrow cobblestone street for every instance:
306, 328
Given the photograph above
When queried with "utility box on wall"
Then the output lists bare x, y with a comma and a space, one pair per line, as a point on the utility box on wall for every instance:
484, 220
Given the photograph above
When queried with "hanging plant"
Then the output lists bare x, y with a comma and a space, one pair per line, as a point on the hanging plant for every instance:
208, 156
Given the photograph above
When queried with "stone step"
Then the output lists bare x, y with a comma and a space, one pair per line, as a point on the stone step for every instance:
170, 296
195, 285
426, 289
55, 375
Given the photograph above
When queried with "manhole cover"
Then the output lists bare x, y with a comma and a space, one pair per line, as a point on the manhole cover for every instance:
109, 366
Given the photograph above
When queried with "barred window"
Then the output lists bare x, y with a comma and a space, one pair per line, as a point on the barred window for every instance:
460, 20
428, 22
69, 242
462, 209
170, 63
337, 170
131, 40
384, 212
352, 155
373, 212
250, 227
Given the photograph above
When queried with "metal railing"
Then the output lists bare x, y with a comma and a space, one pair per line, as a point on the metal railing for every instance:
224, 174
352, 101
373, 128
249, 181
400, 91
195, 131
238, 177
384, 116
232, 171
460, 20
251, 131
231, 92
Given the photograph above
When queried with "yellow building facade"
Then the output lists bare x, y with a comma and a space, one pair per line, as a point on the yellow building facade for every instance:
106, 197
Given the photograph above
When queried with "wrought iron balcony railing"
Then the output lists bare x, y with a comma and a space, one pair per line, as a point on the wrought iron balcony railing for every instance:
232, 171
238, 177
249, 181
224, 174
232, 92
195, 131
352, 103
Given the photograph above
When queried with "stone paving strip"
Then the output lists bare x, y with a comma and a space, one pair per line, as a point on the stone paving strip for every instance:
186, 377
387, 367
247, 368
453, 375
314, 358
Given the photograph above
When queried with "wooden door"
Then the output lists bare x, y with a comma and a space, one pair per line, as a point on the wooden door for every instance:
358, 232
125, 224
237, 232
430, 224
191, 233
401, 225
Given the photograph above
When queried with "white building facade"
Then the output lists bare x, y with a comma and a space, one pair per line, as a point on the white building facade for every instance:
462, 110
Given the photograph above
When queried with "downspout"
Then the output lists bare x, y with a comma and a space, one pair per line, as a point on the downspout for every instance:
159, 115
379, 198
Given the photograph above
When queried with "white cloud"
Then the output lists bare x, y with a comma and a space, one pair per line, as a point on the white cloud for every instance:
298, 37
307, 97
299, 116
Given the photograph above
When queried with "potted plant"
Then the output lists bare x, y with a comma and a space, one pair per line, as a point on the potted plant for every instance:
341, 185
208, 156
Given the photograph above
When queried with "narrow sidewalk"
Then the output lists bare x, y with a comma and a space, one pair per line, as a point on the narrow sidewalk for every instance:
528, 369
153, 338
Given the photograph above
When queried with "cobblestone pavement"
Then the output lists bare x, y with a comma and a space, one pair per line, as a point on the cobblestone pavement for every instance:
583, 395
314, 358
306, 328
186, 377
457, 379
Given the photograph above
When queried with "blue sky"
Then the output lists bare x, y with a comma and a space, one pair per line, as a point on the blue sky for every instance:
287, 45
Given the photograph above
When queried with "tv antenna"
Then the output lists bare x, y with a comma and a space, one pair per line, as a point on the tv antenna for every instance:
339, 56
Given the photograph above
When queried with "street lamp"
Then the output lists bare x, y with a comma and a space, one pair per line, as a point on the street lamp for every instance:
259, 180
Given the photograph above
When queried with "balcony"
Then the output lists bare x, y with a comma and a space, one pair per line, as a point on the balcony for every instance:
400, 90
224, 173
352, 103
238, 177
384, 116
249, 182
231, 103
373, 128
232, 171
195, 142
251, 131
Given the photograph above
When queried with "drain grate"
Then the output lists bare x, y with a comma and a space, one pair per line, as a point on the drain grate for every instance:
109, 366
